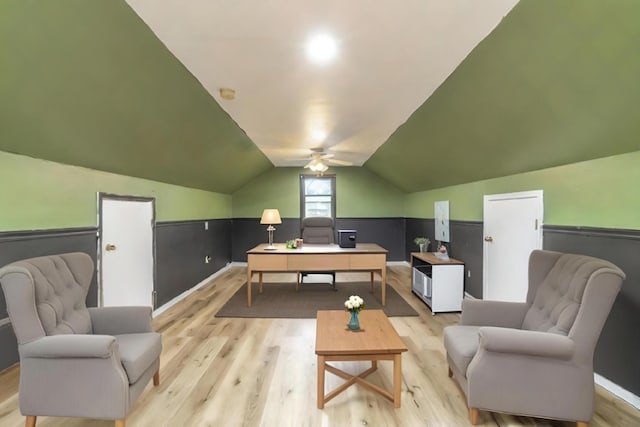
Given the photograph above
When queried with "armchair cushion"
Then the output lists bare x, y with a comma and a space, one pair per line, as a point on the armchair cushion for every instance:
461, 343
138, 352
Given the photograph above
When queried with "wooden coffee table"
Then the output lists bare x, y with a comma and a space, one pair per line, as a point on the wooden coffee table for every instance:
377, 340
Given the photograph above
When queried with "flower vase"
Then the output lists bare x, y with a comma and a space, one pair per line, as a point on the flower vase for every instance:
354, 323
422, 248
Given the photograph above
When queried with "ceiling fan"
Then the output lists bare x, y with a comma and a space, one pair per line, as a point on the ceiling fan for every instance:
320, 158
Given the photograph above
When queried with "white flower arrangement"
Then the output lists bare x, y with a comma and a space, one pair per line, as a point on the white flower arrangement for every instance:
354, 304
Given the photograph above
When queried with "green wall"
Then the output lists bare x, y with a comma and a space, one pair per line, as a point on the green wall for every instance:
597, 193
87, 83
38, 194
554, 84
359, 193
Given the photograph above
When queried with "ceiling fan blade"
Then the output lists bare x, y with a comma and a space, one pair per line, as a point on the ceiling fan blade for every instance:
340, 162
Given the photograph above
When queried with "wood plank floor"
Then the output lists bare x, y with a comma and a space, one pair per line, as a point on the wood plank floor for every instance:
262, 372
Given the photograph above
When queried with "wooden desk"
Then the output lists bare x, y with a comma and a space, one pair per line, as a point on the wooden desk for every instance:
364, 257
378, 340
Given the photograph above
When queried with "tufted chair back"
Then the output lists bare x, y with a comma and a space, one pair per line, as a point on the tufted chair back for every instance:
46, 295
556, 295
318, 229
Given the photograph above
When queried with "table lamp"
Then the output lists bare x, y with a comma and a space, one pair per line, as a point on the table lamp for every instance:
270, 217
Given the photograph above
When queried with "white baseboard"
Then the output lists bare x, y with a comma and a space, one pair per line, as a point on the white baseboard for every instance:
618, 391
164, 307
467, 295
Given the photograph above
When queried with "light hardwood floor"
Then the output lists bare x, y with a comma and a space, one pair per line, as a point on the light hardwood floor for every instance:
262, 372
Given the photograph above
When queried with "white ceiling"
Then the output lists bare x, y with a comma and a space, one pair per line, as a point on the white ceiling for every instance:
392, 55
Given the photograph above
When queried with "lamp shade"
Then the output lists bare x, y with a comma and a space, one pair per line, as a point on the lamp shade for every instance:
270, 216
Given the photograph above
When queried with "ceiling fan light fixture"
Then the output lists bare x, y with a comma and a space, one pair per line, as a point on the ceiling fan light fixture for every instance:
317, 166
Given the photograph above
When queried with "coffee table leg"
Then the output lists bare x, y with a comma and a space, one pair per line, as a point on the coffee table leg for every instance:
321, 363
397, 379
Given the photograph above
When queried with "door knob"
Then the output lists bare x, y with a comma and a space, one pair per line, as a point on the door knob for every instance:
488, 239
110, 247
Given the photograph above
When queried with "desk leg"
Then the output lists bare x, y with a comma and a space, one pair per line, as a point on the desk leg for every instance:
321, 362
383, 283
371, 285
249, 274
397, 379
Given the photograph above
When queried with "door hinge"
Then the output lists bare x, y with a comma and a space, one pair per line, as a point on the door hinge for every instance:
536, 224
154, 298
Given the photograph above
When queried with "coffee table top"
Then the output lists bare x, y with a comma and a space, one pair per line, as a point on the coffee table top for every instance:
376, 337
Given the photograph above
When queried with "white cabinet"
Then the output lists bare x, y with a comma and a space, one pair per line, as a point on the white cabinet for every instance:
440, 284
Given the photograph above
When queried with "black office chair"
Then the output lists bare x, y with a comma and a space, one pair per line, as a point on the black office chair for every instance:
318, 230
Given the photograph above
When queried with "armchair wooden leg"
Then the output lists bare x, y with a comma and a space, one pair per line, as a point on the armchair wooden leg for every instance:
30, 421
120, 423
474, 416
581, 424
156, 381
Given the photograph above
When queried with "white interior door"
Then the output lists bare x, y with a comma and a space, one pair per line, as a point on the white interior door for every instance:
512, 229
126, 251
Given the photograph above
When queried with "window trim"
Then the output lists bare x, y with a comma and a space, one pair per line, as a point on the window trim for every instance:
332, 178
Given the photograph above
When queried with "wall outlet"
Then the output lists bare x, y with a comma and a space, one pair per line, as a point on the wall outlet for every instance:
207, 259
468, 273
206, 225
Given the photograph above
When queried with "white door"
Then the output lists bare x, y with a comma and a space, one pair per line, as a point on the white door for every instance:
512, 229
126, 251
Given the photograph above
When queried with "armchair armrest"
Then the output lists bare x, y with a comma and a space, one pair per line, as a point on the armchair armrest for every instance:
70, 346
493, 313
528, 343
120, 320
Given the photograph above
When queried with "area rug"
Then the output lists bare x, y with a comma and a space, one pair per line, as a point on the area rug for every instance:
281, 300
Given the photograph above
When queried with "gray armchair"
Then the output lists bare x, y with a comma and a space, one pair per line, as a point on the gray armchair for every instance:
318, 230
76, 361
536, 358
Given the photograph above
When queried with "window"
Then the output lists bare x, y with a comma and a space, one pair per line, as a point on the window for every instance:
317, 196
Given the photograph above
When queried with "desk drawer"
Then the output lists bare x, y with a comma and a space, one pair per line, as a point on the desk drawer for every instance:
267, 262
367, 261
319, 262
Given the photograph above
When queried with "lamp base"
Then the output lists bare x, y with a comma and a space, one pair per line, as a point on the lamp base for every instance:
270, 248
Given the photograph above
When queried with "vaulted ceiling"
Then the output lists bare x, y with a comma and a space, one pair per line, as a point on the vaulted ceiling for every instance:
440, 93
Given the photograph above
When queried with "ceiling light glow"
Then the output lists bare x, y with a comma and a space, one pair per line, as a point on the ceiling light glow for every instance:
321, 49
318, 135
